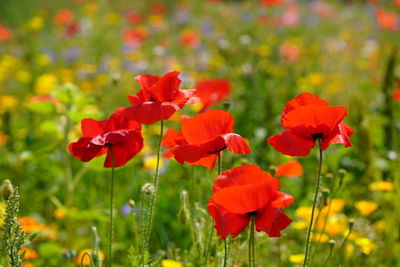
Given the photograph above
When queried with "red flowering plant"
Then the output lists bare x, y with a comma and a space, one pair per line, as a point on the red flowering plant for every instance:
307, 120
289, 169
119, 137
159, 98
212, 91
244, 195
203, 137
396, 93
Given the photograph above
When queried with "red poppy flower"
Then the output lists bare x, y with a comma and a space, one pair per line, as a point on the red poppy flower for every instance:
5, 34
306, 118
289, 169
159, 98
64, 17
212, 91
206, 135
386, 20
121, 135
396, 94
246, 191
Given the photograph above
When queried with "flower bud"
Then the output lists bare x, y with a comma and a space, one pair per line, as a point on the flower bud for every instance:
226, 104
131, 204
6, 189
148, 189
332, 243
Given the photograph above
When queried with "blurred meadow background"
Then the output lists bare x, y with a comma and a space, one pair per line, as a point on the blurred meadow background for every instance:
63, 61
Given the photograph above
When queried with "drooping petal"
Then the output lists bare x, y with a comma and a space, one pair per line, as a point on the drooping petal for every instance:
290, 144
303, 100
171, 138
345, 131
83, 149
124, 150
227, 223
243, 199
242, 175
236, 143
272, 221
282, 201
207, 161
189, 153
207, 126
313, 119
289, 169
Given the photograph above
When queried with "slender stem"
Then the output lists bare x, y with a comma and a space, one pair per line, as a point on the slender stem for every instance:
219, 163
155, 183
252, 255
327, 258
110, 230
307, 246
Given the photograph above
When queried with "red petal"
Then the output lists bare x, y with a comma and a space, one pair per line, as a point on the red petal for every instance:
282, 201
272, 221
206, 161
244, 199
84, 150
207, 126
289, 169
303, 100
124, 150
91, 128
189, 153
146, 80
345, 131
148, 112
242, 175
290, 144
212, 91
171, 138
236, 143
312, 119
117, 122
166, 88
226, 223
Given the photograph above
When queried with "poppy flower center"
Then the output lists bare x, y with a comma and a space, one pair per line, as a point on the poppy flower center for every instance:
252, 213
317, 136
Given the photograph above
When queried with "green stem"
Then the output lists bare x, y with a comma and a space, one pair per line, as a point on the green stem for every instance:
252, 256
155, 183
328, 258
110, 230
307, 246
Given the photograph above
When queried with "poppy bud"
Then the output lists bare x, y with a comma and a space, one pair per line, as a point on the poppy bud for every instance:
226, 104
342, 174
272, 169
351, 223
325, 195
131, 203
148, 189
332, 243
115, 78
6, 189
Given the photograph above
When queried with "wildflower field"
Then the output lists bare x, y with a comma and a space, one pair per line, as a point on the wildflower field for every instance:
183, 133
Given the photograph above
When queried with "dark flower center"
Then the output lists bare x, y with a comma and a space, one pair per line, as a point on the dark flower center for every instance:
252, 213
317, 136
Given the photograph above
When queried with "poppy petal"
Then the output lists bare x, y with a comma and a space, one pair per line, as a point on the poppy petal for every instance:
166, 88
313, 119
207, 161
227, 223
171, 137
272, 221
345, 131
146, 81
236, 143
303, 100
242, 175
207, 126
83, 149
290, 144
189, 153
124, 150
282, 201
289, 169
91, 128
243, 199
148, 112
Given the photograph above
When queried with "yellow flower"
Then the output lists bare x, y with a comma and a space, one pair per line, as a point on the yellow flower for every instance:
35, 23
296, 258
381, 186
90, 9
23, 76
2, 212
304, 213
45, 84
381, 226
336, 224
171, 263
112, 18
59, 213
7, 102
151, 161
365, 245
366, 207
315, 78
300, 225
43, 60
263, 50
86, 259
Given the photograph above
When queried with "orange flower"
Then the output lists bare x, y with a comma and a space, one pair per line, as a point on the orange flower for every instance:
64, 17
189, 38
386, 20
86, 259
30, 254
30, 224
